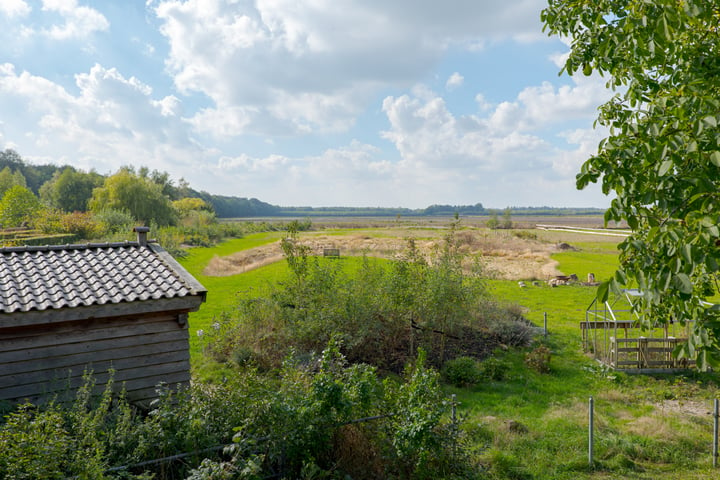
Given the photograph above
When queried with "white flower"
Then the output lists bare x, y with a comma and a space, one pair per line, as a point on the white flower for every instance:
200, 333
216, 325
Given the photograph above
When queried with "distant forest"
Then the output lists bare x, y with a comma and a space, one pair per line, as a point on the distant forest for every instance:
241, 207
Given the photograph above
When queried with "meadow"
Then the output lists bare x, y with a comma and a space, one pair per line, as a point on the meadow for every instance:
527, 424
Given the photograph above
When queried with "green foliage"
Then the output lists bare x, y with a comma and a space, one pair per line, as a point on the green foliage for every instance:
494, 368
70, 190
295, 423
418, 440
462, 372
114, 221
10, 178
662, 155
383, 311
141, 196
18, 206
493, 222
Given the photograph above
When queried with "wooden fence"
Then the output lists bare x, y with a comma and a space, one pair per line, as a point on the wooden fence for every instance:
645, 353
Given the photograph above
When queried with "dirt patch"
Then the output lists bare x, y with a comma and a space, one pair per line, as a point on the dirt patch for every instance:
503, 255
685, 407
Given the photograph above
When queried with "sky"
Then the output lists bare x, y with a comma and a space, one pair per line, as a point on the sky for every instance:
358, 103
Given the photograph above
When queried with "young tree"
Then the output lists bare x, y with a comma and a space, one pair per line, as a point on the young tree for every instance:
10, 178
139, 196
18, 206
662, 155
70, 190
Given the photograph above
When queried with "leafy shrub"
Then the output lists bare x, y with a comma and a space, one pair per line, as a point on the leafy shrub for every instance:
462, 371
298, 422
494, 368
82, 224
525, 234
115, 221
383, 311
538, 359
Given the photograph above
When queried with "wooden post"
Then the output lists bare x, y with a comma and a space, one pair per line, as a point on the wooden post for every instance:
545, 323
591, 432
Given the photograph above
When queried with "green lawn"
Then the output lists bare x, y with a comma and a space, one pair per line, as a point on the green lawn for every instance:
644, 425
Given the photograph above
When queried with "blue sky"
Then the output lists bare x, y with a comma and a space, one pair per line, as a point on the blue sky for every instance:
322, 102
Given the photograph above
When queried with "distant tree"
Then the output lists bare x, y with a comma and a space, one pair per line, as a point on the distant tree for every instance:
35, 175
194, 212
70, 190
493, 222
10, 178
140, 197
19, 205
507, 218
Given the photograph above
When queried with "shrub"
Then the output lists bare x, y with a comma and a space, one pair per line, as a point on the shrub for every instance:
462, 372
494, 368
538, 359
115, 221
383, 311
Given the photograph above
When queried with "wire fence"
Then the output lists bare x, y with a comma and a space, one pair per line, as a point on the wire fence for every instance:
219, 449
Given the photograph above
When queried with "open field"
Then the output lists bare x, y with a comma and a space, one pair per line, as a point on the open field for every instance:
529, 425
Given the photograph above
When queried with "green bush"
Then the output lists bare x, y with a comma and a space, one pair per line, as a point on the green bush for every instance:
462, 372
383, 311
297, 422
494, 368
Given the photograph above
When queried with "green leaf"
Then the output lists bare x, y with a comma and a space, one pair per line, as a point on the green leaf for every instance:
632, 222
603, 292
682, 283
715, 158
665, 167
686, 252
710, 121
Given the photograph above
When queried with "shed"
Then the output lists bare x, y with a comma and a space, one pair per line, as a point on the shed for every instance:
68, 309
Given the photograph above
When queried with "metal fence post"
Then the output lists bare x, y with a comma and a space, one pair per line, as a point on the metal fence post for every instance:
545, 323
591, 433
715, 434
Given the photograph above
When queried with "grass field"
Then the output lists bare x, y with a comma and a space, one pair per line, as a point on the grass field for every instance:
534, 425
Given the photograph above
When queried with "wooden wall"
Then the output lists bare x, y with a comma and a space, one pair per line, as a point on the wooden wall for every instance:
37, 361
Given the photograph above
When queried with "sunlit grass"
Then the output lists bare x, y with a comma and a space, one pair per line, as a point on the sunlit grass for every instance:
644, 426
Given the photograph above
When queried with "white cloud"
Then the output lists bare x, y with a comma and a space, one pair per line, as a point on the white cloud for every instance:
298, 67
499, 146
15, 8
455, 80
79, 21
112, 121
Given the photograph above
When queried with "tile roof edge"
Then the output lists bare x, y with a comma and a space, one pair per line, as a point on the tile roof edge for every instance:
194, 286
76, 246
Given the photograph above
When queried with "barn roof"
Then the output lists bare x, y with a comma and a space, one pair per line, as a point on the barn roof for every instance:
67, 276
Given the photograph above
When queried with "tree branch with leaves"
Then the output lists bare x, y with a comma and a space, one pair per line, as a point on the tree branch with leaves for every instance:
661, 157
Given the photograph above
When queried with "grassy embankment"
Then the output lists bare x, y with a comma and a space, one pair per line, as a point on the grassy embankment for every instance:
534, 425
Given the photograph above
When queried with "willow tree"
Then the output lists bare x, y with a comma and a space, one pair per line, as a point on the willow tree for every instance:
661, 158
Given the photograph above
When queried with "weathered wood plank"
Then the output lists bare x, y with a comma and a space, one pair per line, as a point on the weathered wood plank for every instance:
97, 323
131, 378
92, 346
78, 334
60, 368
140, 351
606, 324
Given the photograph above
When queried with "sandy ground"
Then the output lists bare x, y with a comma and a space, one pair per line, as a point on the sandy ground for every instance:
503, 254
